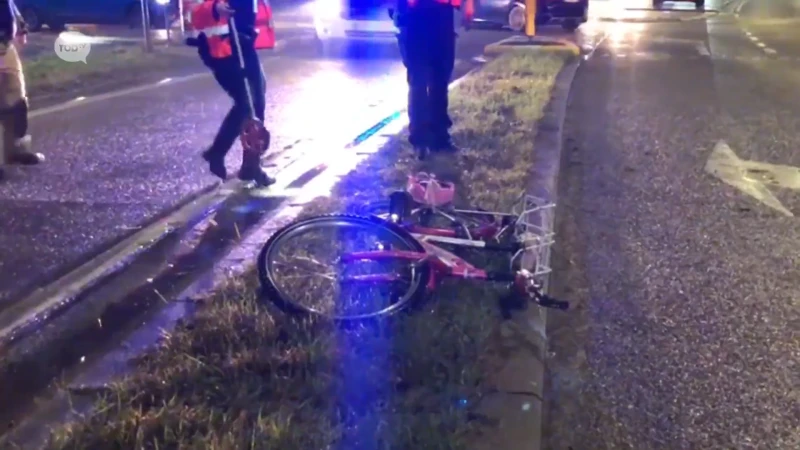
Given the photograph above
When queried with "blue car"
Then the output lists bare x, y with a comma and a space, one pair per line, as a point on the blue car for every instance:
56, 13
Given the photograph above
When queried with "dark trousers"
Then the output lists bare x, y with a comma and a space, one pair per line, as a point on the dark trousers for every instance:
229, 76
427, 42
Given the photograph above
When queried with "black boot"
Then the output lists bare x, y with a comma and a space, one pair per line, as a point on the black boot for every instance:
216, 164
421, 151
251, 171
22, 153
445, 147
257, 175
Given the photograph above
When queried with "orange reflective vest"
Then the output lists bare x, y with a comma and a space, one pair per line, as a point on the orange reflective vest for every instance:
469, 5
217, 32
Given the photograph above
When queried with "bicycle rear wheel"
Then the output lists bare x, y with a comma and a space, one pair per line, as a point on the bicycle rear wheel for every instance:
294, 276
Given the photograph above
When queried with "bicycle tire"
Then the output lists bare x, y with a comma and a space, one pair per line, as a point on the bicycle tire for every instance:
270, 288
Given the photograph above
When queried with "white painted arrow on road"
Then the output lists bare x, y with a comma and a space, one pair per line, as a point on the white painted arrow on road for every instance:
753, 177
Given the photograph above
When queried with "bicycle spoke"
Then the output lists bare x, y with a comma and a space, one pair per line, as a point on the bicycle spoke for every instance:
309, 268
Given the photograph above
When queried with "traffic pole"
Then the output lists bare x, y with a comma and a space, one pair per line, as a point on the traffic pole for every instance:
530, 18
181, 19
148, 42
166, 25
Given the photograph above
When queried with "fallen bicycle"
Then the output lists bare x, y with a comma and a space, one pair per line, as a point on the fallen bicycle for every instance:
392, 250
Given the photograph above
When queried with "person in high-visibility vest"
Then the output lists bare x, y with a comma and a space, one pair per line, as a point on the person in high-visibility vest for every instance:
427, 41
13, 96
210, 21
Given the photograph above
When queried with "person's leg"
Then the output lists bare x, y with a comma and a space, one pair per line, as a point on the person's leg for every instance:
413, 51
15, 96
228, 77
443, 49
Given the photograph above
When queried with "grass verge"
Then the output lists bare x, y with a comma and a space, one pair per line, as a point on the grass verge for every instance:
107, 67
240, 376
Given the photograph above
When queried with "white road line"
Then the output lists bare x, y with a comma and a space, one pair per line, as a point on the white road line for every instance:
770, 51
701, 48
78, 101
761, 44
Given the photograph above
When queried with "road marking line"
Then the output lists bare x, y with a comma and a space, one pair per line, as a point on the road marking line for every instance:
770, 51
761, 44
701, 48
79, 101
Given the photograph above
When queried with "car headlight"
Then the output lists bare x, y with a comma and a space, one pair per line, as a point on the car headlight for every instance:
326, 9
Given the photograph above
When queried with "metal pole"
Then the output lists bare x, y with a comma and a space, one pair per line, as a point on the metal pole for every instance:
530, 18
182, 19
166, 24
148, 42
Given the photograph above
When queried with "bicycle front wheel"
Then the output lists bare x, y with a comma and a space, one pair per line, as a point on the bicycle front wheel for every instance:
304, 268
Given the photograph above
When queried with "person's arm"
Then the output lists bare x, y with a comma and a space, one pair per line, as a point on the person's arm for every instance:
467, 13
22, 26
270, 24
204, 12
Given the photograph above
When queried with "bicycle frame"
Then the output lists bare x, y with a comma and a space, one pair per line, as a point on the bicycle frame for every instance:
442, 263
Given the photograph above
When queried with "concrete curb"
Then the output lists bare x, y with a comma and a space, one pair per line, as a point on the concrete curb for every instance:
542, 44
544, 184
518, 405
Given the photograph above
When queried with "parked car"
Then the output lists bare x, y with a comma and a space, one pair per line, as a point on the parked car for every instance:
511, 13
56, 13
699, 4
343, 21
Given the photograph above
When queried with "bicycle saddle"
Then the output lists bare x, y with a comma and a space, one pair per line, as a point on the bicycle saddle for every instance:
427, 190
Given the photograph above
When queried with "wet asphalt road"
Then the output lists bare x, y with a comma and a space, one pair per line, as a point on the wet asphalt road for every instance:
687, 330
116, 163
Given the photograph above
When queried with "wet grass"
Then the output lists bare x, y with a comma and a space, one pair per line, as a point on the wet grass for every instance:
46, 74
243, 376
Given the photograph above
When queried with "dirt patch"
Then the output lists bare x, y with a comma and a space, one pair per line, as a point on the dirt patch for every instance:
243, 376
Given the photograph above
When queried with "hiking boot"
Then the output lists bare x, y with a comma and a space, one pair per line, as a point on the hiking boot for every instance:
22, 154
256, 174
216, 164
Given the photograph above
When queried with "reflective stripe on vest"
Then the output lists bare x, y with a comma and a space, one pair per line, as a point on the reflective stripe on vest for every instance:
218, 30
